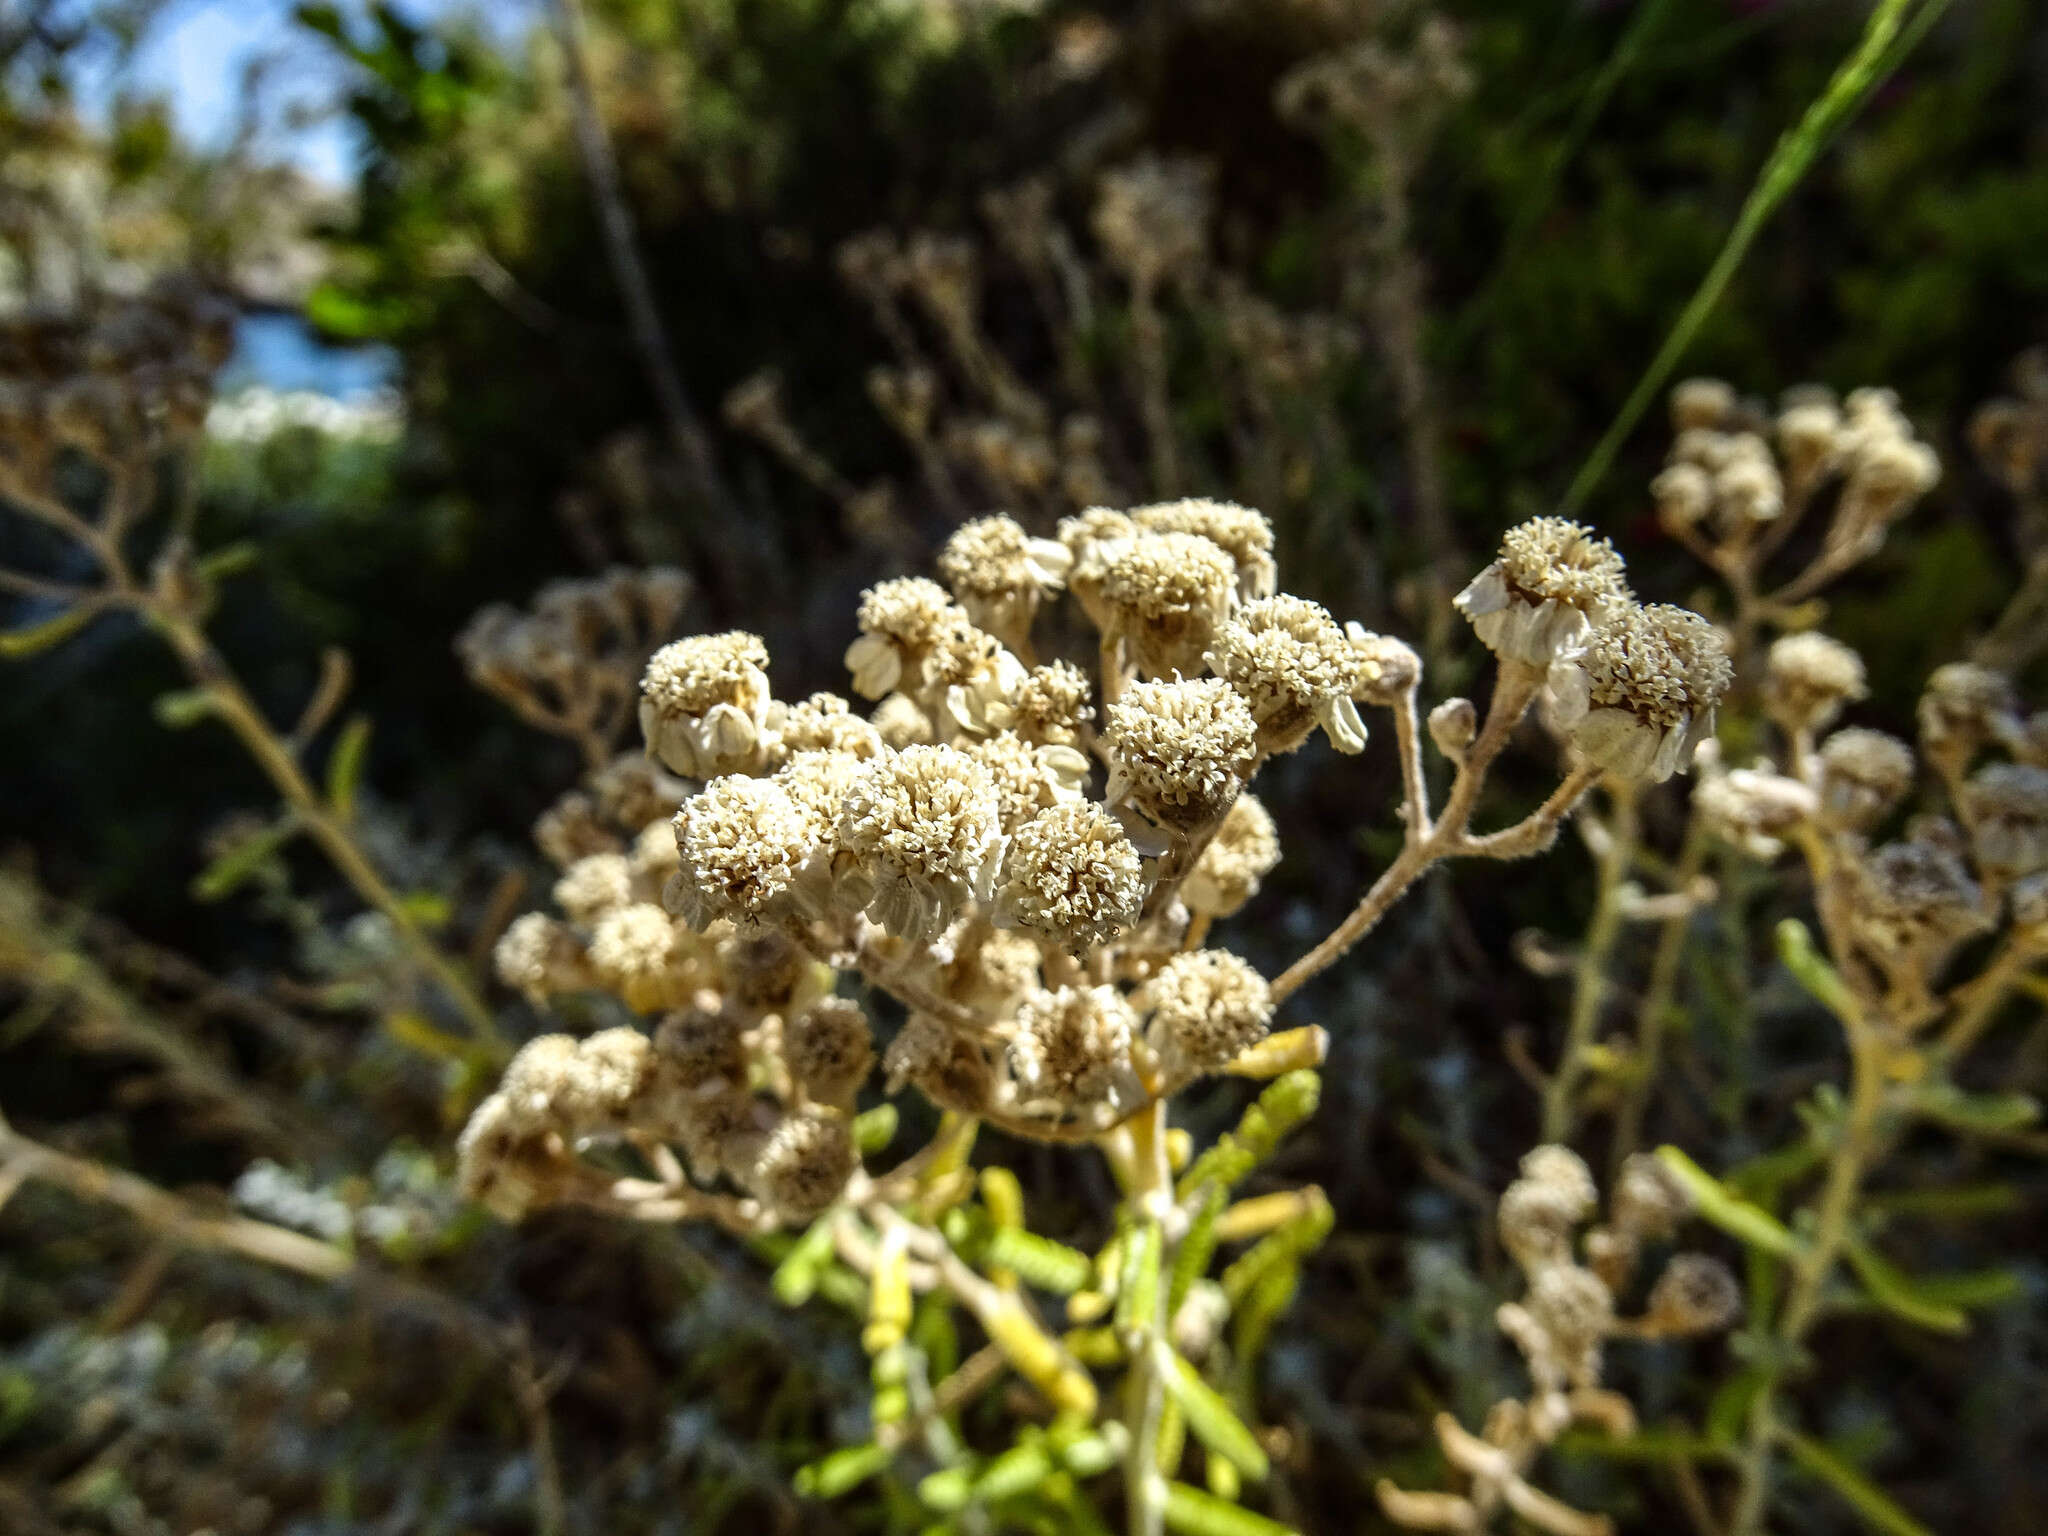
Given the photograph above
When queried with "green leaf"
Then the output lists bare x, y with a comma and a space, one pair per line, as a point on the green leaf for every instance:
874, 1129
1018, 1470
345, 767
1873, 1505
1746, 1223
1191, 1259
1208, 1415
1137, 1292
20, 644
228, 873
1043, 1263
1970, 1289
1192, 1512
182, 708
1810, 968
1899, 1293
1286, 1102
840, 1472
1993, 1114
228, 560
1729, 1411
795, 1279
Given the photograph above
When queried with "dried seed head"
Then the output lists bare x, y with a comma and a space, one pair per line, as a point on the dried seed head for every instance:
924, 828
631, 791
992, 969
1084, 533
1072, 1047
1049, 707
1863, 776
1553, 580
1643, 693
540, 957
1808, 433
1694, 1294
703, 703
1160, 594
2006, 807
652, 858
1207, 1007
570, 830
944, 1065
1808, 679
1701, 403
1571, 1305
701, 1045
1180, 749
1564, 1174
830, 1050
1243, 534
593, 886
1648, 1203
1684, 494
1453, 725
635, 952
1240, 855
536, 1080
608, 1082
805, 1163
1295, 668
1000, 573
1747, 489
1072, 875
1382, 668
1914, 899
502, 1165
1754, 809
766, 971
1964, 708
740, 843
825, 722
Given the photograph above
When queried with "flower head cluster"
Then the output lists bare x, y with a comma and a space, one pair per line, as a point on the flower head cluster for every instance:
1296, 669
1539, 600
1642, 694
704, 704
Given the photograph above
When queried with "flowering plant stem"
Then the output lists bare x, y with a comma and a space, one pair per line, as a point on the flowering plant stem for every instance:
1150, 1194
1881, 50
1589, 986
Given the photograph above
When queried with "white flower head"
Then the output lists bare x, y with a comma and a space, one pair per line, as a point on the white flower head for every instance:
1295, 668
1072, 875
923, 829
1240, 855
1179, 750
1206, 1008
704, 704
1538, 601
1243, 534
740, 842
1642, 694
1072, 1048
1161, 595
1000, 573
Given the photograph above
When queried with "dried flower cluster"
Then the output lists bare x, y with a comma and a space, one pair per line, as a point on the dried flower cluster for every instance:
1569, 1310
1021, 861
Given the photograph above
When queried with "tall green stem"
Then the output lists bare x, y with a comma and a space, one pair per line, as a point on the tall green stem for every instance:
1887, 39
1589, 988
